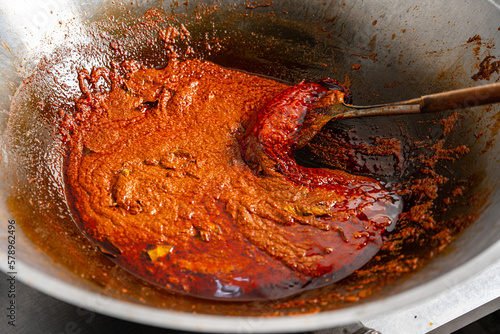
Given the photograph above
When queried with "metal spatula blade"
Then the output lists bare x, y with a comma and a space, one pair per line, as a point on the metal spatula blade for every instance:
449, 100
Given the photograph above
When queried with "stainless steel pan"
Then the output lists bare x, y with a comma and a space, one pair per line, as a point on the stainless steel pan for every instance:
405, 49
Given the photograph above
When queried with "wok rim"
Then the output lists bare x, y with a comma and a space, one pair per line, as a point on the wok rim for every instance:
165, 318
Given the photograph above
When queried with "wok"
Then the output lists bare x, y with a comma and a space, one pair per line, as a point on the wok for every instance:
404, 49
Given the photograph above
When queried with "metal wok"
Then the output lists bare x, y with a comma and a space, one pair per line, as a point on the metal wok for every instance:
405, 50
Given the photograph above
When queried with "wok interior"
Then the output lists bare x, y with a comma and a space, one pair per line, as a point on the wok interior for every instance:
405, 51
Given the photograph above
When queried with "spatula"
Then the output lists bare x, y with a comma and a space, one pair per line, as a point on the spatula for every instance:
449, 100
336, 129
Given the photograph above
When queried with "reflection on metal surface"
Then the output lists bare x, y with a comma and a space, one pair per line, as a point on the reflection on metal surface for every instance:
35, 21
494, 3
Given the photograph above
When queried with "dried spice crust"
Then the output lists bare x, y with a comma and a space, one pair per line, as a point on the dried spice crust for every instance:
157, 178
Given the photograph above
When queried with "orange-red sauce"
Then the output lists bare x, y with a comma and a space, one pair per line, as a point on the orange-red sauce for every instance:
186, 177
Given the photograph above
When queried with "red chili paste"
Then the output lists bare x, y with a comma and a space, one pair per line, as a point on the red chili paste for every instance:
185, 176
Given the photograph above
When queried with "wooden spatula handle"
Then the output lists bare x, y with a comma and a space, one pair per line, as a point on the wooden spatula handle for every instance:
461, 98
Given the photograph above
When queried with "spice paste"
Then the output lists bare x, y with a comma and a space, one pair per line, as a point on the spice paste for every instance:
185, 176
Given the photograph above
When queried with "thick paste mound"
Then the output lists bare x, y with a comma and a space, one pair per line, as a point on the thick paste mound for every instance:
186, 177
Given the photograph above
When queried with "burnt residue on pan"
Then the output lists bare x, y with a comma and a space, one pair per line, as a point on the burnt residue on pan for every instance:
424, 167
